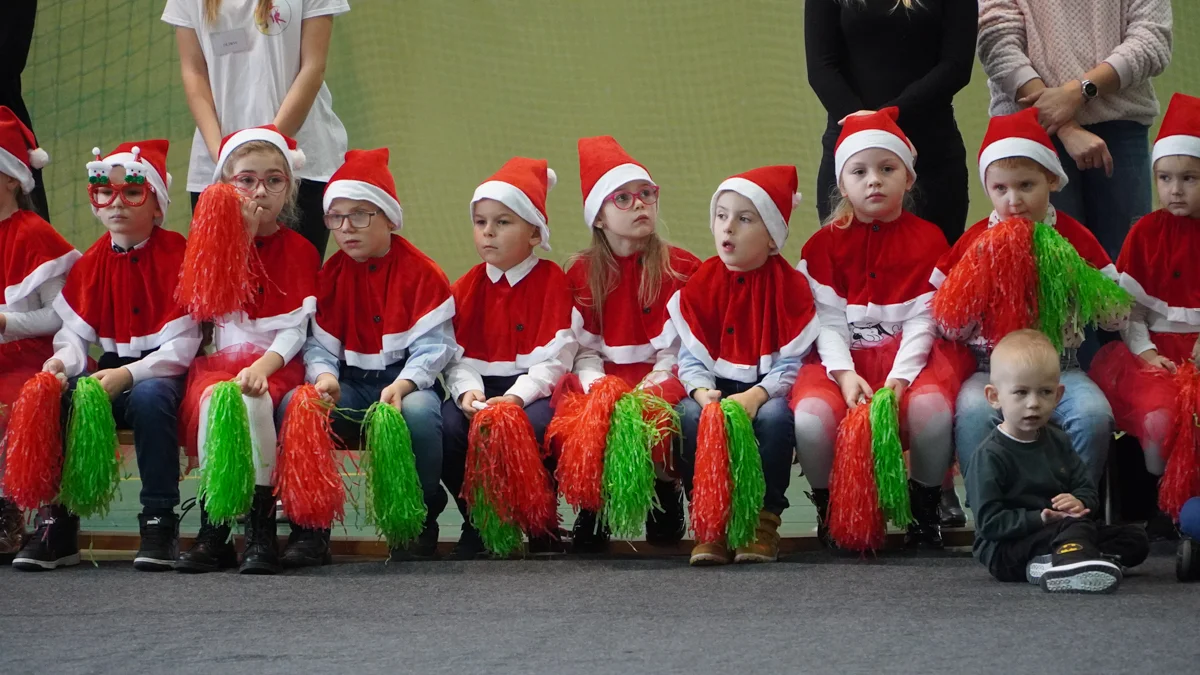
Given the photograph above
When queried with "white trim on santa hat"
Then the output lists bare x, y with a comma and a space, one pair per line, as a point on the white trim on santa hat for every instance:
294, 158
871, 138
514, 198
1021, 147
608, 184
1180, 144
11, 165
161, 191
367, 192
771, 217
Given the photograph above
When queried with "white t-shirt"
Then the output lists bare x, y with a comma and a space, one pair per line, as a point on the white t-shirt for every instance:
251, 68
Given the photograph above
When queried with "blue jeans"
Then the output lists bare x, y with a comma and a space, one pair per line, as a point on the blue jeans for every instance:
775, 430
1189, 518
456, 428
1083, 413
151, 409
422, 412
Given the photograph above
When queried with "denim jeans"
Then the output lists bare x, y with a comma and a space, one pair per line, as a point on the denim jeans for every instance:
773, 427
1083, 413
1189, 518
151, 409
422, 412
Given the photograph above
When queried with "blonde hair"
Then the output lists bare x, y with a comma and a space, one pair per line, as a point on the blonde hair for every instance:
262, 11
842, 213
1024, 349
602, 270
290, 213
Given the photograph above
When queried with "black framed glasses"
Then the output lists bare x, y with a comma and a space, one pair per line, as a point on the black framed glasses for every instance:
358, 219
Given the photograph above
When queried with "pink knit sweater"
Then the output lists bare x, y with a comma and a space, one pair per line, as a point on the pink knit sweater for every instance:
1060, 40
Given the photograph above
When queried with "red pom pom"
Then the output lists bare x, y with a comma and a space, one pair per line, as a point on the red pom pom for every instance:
1181, 479
505, 468
33, 443
307, 476
217, 276
993, 288
584, 436
855, 521
712, 492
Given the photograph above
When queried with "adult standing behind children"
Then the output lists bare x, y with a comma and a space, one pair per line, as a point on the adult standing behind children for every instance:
1086, 65
912, 54
248, 63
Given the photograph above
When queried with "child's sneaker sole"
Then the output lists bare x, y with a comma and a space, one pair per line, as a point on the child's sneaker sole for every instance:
149, 564
753, 558
1036, 568
708, 560
33, 565
1089, 576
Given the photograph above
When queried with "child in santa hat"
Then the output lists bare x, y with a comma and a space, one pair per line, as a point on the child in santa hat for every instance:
1019, 169
34, 260
256, 347
1157, 266
621, 284
869, 267
120, 295
382, 332
514, 319
746, 319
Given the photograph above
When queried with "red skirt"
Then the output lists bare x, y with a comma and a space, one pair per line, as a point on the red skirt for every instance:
950, 364
1135, 388
19, 361
222, 367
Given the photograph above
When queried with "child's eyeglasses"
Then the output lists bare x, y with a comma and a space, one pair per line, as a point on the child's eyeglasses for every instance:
358, 219
132, 195
624, 198
247, 183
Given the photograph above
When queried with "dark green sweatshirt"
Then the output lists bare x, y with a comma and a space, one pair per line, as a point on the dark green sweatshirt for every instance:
1010, 482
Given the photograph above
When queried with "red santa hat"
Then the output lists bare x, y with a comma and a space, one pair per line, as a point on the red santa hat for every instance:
268, 133
19, 151
143, 161
521, 185
604, 166
1019, 135
365, 176
1180, 130
876, 130
772, 190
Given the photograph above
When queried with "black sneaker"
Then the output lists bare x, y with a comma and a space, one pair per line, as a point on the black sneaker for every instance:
589, 534
950, 511
666, 527
306, 548
421, 549
1037, 567
211, 551
547, 545
1187, 560
55, 542
1074, 569
160, 543
470, 545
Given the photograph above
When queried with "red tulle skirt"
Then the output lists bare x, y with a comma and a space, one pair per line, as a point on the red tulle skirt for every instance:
1135, 388
19, 361
222, 367
950, 364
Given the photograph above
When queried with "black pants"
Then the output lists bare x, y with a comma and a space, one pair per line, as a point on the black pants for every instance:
1127, 541
311, 213
941, 191
16, 36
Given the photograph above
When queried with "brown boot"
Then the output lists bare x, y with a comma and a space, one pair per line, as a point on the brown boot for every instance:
765, 547
711, 555
12, 530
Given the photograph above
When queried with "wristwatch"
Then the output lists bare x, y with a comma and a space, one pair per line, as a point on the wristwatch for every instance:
1090, 90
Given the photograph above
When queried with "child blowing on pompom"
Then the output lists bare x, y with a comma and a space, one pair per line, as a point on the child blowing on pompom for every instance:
383, 332
514, 319
1031, 493
120, 295
621, 284
255, 347
1019, 169
746, 319
1143, 375
34, 260
868, 268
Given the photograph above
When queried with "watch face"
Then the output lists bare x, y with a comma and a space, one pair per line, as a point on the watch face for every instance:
1090, 90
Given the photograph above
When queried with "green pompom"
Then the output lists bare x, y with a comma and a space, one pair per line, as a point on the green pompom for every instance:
500, 538
628, 480
891, 478
1071, 293
91, 469
227, 474
395, 501
745, 468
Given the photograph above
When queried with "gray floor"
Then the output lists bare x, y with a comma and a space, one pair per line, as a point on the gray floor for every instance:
811, 613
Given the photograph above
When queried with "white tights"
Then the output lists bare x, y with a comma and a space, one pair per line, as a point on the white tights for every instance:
262, 434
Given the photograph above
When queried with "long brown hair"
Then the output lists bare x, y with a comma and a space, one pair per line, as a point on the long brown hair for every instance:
262, 12
602, 270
